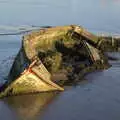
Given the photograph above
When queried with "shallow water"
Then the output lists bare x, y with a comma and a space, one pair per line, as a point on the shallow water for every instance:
96, 98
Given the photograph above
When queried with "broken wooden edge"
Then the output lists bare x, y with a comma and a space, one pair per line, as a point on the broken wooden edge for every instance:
30, 81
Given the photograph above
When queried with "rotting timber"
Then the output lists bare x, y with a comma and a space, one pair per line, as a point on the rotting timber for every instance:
48, 54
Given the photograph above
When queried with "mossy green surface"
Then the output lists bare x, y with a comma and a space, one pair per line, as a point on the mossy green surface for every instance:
51, 59
58, 48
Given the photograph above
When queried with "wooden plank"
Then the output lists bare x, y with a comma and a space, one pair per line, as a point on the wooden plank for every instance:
89, 36
47, 81
94, 52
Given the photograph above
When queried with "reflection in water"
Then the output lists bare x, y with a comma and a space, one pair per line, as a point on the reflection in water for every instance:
29, 106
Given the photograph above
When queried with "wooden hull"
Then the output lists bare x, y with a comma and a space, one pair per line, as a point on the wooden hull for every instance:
54, 47
32, 80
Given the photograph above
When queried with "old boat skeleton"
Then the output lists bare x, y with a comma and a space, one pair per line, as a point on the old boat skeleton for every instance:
28, 73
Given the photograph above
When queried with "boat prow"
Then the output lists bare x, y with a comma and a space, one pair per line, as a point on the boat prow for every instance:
32, 80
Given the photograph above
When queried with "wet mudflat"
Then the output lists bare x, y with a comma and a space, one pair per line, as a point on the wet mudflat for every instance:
97, 97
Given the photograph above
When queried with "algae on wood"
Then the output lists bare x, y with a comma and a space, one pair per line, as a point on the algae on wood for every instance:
64, 48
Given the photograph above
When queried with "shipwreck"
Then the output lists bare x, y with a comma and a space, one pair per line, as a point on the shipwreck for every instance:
54, 56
